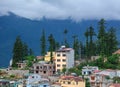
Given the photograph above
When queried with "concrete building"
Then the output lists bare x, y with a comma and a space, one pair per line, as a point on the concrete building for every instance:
36, 80
47, 56
71, 81
87, 70
108, 72
44, 69
97, 80
21, 65
64, 58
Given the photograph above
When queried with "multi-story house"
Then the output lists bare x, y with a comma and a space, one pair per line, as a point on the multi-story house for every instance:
71, 81
36, 80
44, 69
97, 80
64, 58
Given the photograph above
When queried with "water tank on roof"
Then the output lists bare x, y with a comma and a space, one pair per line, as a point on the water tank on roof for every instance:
63, 46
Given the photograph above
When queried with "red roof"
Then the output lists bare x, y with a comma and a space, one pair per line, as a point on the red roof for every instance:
115, 85
71, 78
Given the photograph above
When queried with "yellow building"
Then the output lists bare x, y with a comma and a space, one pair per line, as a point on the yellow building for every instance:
47, 56
71, 81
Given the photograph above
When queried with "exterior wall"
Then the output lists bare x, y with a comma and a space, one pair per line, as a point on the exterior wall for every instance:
70, 59
99, 81
36, 81
21, 65
118, 73
60, 61
39, 85
71, 82
47, 56
110, 73
44, 69
87, 70
18, 73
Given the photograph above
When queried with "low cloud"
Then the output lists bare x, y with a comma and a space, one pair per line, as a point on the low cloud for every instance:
76, 10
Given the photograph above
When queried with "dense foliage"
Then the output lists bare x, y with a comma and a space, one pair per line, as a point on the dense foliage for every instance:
20, 51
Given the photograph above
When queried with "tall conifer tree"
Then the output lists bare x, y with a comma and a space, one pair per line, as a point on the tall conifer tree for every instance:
43, 43
17, 51
102, 37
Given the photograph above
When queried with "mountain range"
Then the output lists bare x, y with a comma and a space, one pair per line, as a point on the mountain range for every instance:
30, 31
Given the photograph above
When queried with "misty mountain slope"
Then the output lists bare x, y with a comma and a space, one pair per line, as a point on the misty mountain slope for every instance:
30, 32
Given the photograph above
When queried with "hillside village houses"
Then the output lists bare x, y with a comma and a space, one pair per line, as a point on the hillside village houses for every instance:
44, 73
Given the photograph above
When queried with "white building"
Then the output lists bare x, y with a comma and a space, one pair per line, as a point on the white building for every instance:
87, 70
64, 58
108, 72
36, 80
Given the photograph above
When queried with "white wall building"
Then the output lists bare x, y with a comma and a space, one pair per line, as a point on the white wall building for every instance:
36, 80
87, 70
64, 58
108, 72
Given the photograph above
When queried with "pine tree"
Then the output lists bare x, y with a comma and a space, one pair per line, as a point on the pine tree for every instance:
52, 46
25, 50
17, 51
87, 43
31, 52
91, 44
101, 38
76, 46
65, 40
111, 41
43, 43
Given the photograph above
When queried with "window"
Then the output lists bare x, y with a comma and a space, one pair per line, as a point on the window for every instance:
58, 55
44, 85
64, 55
44, 72
58, 60
64, 65
36, 71
41, 67
37, 67
58, 65
64, 60
32, 76
63, 82
49, 67
69, 82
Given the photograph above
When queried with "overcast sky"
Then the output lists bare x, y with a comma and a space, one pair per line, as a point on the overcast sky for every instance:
62, 9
